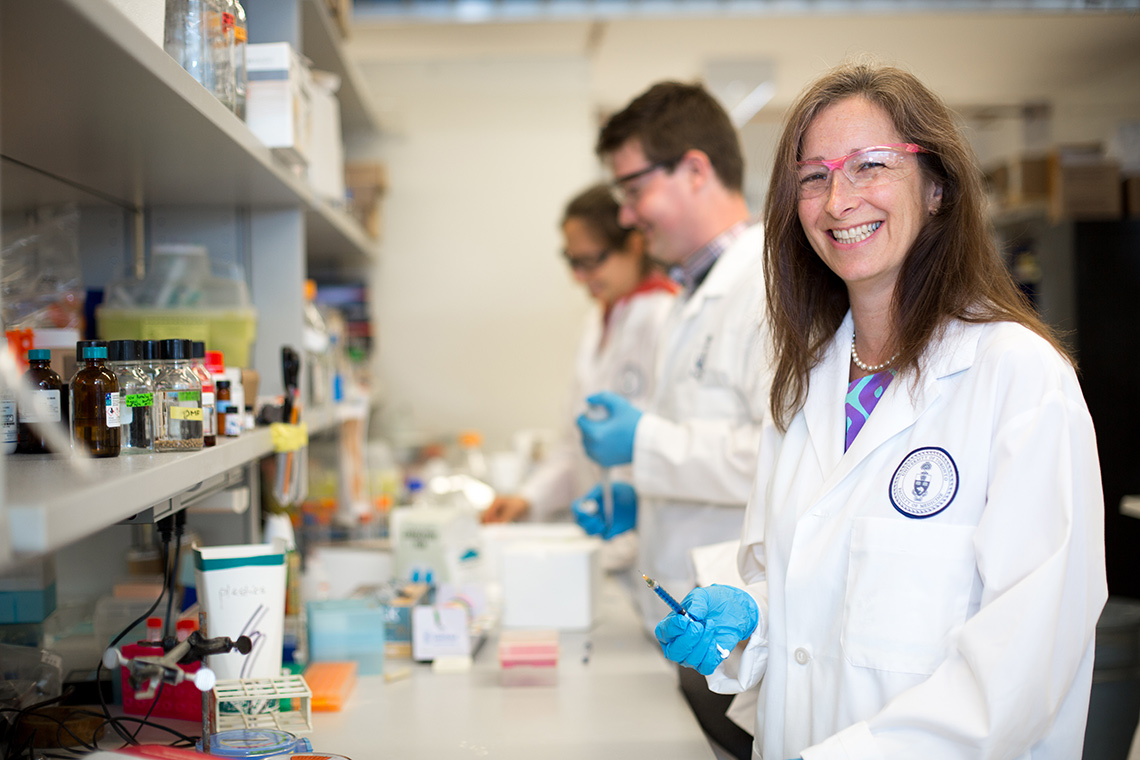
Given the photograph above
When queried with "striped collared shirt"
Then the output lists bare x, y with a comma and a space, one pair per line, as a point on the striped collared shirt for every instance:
692, 273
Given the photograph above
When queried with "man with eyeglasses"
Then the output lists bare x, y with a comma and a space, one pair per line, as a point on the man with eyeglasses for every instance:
678, 175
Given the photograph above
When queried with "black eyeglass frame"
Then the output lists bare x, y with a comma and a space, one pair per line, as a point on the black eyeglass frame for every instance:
586, 264
617, 186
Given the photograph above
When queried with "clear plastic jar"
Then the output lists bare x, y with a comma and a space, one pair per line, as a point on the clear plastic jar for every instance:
178, 395
136, 397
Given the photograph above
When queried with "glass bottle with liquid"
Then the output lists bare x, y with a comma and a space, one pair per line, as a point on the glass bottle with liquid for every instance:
209, 405
94, 402
178, 399
47, 389
136, 396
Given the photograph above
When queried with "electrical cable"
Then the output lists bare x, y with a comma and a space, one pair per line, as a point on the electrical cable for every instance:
164, 526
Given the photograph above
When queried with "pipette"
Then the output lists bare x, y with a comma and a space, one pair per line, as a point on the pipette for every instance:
599, 412
676, 607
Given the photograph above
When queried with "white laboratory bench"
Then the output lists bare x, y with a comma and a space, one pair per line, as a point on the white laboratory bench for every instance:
623, 703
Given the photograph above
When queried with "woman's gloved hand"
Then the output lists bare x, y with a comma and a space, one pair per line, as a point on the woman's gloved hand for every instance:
609, 440
588, 511
720, 617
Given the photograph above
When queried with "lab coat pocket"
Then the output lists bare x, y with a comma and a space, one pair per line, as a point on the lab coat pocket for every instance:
908, 587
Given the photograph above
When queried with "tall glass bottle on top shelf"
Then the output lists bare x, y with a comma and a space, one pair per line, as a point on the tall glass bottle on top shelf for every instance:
178, 394
187, 38
209, 405
136, 395
94, 402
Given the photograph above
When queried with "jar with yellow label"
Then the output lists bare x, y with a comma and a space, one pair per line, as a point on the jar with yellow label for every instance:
178, 397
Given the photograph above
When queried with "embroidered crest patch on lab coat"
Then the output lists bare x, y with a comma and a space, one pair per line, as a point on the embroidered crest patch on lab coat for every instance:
925, 483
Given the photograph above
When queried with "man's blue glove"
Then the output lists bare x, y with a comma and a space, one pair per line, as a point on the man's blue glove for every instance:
609, 440
588, 511
719, 618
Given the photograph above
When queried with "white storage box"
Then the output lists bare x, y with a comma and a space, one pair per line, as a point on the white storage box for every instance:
326, 156
278, 100
551, 583
496, 537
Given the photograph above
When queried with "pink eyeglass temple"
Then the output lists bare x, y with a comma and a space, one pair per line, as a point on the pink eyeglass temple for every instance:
837, 163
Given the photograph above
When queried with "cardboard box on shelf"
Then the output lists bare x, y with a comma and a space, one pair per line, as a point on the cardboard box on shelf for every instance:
341, 12
365, 184
1024, 179
326, 155
1132, 196
1083, 184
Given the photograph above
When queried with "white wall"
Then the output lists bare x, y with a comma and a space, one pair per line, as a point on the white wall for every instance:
490, 129
477, 315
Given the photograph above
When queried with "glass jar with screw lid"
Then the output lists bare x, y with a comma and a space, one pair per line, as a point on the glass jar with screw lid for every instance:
178, 397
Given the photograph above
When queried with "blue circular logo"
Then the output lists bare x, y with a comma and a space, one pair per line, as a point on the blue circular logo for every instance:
925, 483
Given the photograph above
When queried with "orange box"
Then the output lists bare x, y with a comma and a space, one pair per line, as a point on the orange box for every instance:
331, 684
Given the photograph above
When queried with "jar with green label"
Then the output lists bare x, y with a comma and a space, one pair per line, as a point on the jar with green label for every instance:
178, 399
136, 397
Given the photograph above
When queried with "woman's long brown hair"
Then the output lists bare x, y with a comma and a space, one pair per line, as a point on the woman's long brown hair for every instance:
952, 271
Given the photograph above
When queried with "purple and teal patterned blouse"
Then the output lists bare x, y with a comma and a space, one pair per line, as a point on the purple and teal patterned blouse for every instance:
862, 396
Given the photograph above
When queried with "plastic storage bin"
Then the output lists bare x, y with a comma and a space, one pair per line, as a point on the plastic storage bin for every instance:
347, 629
231, 331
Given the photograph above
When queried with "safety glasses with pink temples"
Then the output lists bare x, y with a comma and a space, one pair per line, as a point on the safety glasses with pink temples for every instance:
868, 167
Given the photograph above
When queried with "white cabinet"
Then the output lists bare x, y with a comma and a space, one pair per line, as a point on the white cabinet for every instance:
91, 108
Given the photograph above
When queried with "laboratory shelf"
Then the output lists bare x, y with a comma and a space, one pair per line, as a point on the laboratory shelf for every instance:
98, 105
324, 46
51, 503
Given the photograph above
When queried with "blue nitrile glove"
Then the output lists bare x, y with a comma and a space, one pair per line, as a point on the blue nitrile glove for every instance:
609, 441
721, 617
588, 511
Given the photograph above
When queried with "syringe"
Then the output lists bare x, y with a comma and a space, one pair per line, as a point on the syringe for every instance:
676, 607
665, 597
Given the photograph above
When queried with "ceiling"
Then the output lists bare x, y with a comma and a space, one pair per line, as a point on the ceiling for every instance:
973, 59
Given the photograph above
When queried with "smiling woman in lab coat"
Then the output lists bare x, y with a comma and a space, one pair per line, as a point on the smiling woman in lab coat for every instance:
924, 546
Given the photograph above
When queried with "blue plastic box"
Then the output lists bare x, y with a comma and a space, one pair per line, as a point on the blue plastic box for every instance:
347, 629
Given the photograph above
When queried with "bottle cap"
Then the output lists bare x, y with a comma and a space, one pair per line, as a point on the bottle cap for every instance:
39, 355
199, 349
222, 385
123, 350
94, 352
82, 344
215, 362
150, 350
176, 348
469, 439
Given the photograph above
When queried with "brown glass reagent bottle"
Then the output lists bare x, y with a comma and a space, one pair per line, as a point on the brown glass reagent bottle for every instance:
95, 405
47, 385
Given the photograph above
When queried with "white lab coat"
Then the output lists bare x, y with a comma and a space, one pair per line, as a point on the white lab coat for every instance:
624, 364
694, 454
966, 633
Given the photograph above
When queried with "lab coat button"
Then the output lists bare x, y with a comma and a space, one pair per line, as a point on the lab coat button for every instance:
802, 656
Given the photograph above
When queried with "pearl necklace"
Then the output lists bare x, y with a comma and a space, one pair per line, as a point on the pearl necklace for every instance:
865, 367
